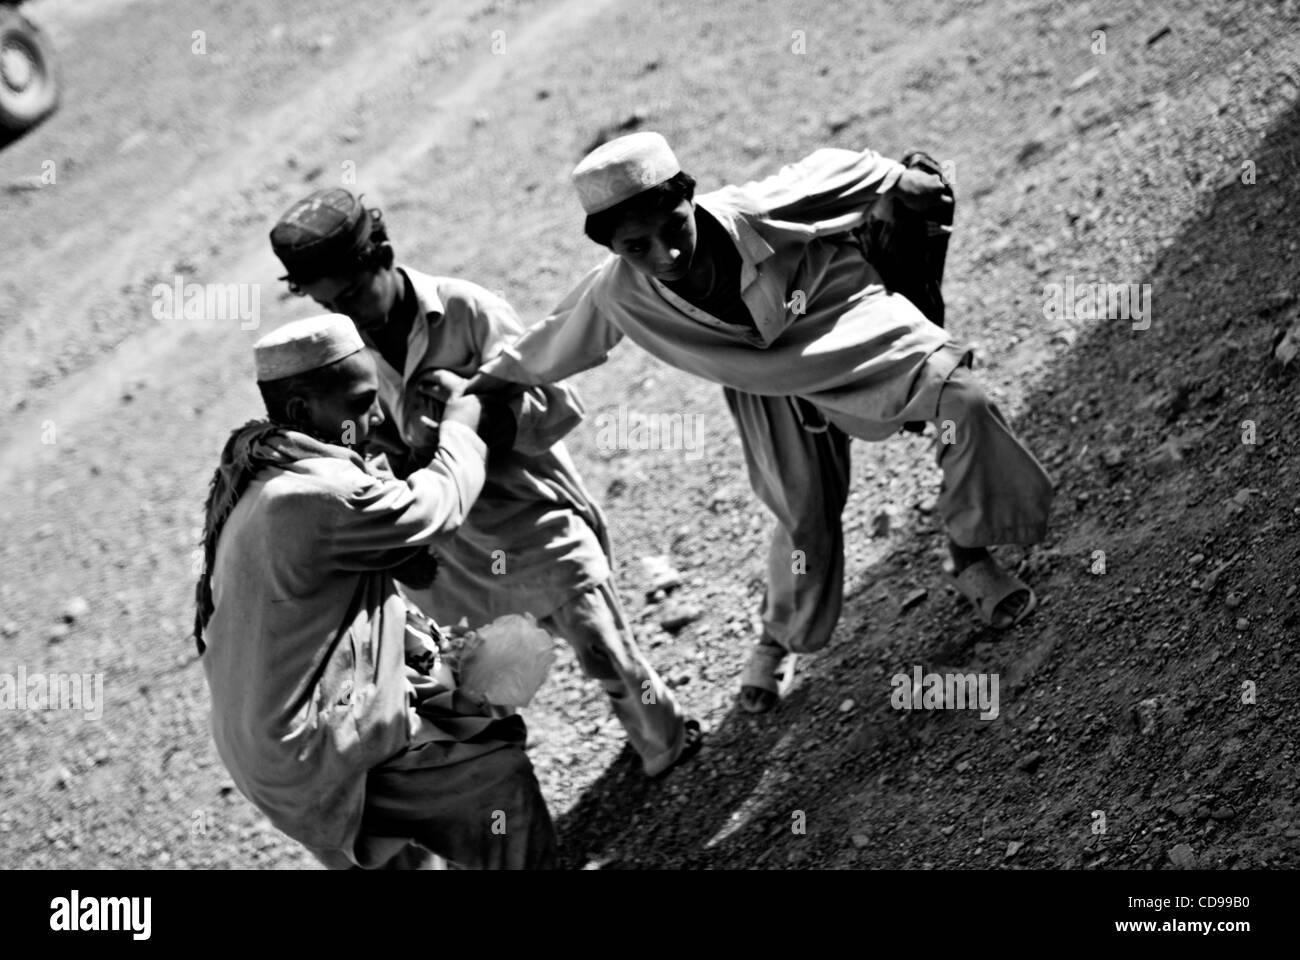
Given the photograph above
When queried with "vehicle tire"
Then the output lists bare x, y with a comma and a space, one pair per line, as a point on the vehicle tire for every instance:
29, 89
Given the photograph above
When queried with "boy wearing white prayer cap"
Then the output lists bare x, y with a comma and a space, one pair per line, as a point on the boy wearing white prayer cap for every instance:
325, 720
766, 289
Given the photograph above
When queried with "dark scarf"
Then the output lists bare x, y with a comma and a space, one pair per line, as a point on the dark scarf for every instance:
256, 446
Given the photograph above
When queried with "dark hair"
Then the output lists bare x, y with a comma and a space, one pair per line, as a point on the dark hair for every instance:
660, 198
276, 394
374, 254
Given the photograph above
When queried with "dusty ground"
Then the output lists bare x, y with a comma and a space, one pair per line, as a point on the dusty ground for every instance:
1122, 697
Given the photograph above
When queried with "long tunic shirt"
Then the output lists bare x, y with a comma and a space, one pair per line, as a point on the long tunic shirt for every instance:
307, 641
534, 539
825, 328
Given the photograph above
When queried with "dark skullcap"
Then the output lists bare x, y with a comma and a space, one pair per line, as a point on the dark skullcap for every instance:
320, 235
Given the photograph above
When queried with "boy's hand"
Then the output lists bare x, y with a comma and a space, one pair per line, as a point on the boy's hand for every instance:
438, 385
462, 409
921, 191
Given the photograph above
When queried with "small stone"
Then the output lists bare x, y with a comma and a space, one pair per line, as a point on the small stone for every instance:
1143, 715
1276, 300
660, 574
1083, 79
1182, 857
1159, 35
678, 615
1213, 579
913, 598
1287, 347
9, 629
1167, 456
837, 122
881, 523
76, 609
846, 706
861, 840
1013, 847
1232, 601
948, 830
1236, 504
962, 766
58, 633
1030, 761
1242, 623
1031, 150
1290, 592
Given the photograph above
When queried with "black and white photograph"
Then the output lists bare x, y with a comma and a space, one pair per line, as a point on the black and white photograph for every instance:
587, 435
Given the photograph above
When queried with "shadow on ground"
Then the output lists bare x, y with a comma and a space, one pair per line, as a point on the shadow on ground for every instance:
1142, 432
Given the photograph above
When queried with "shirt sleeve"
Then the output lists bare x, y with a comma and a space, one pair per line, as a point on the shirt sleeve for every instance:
543, 414
384, 518
831, 190
577, 336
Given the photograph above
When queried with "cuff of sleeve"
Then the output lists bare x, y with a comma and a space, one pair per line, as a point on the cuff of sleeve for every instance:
453, 434
890, 179
508, 365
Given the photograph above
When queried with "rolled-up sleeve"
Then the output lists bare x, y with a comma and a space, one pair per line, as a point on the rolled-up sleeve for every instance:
383, 517
830, 190
577, 336
543, 414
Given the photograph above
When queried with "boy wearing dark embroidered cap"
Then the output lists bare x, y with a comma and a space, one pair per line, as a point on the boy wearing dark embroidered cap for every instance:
535, 542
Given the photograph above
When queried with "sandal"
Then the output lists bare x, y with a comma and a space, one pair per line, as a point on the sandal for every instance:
692, 741
987, 586
768, 676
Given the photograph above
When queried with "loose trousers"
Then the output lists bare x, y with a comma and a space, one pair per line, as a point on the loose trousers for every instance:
593, 624
482, 813
994, 492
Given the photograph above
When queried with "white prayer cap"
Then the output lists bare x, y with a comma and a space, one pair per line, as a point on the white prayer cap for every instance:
304, 345
619, 170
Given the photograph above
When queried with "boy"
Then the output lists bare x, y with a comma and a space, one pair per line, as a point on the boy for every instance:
765, 289
534, 542
304, 636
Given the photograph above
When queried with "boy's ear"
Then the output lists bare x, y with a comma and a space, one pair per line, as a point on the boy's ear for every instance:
298, 411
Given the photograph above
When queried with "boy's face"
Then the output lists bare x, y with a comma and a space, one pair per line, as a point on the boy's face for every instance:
347, 414
660, 246
366, 296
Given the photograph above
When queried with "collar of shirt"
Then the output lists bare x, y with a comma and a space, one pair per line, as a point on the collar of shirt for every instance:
753, 250
392, 384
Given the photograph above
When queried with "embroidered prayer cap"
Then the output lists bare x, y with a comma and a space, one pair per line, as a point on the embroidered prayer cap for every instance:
619, 170
319, 235
304, 345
